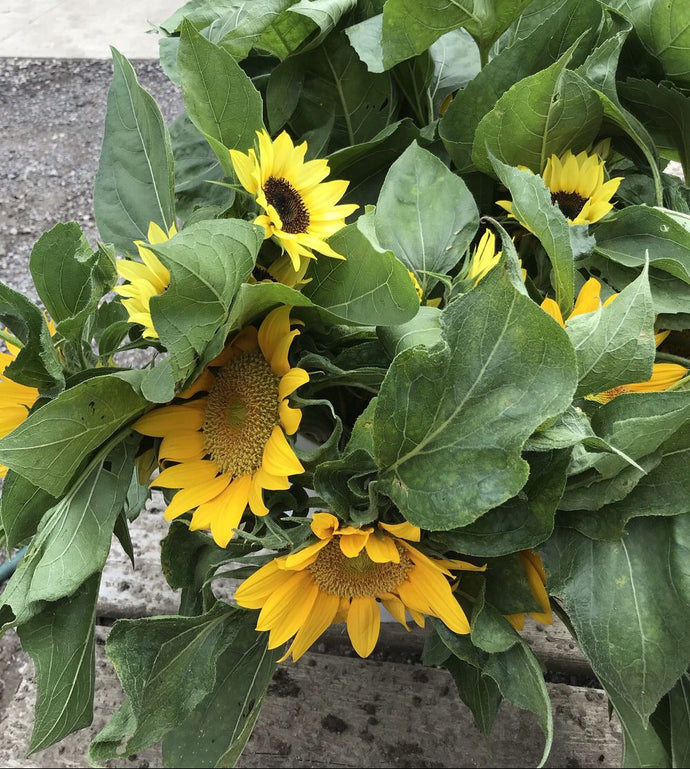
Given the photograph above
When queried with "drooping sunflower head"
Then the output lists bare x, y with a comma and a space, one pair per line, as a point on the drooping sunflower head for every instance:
342, 577
145, 279
536, 577
300, 208
578, 187
224, 443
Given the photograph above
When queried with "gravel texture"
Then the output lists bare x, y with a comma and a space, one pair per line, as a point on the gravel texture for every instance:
52, 114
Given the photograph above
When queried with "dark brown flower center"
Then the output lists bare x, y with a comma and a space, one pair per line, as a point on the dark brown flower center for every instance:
288, 203
260, 273
570, 203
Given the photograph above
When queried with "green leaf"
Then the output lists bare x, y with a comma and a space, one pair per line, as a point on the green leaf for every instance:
679, 705
73, 538
456, 63
615, 344
532, 206
642, 745
478, 691
365, 165
51, 443
635, 578
70, 278
637, 231
167, 666
201, 13
664, 28
369, 286
506, 368
36, 364
219, 97
522, 522
663, 491
555, 29
491, 19
665, 111
207, 261
428, 232
60, 641
242, 25
134, 183
22, 507
218, 729
424, 329
544, 114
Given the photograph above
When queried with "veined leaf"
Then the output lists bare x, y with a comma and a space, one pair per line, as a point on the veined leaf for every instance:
637, 578
134, 183
425, 215
60, 640
505, 369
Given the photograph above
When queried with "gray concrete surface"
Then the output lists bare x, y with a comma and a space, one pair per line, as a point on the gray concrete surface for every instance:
81, 28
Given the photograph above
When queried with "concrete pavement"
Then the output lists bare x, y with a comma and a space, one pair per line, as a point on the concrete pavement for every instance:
81, 29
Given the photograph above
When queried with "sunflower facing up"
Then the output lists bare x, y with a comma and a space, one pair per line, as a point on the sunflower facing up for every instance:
147, 279
342, 577
225, 443
664, 375
577, 187
300, 209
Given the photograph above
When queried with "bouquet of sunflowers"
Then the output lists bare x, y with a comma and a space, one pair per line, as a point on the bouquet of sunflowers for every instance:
397, 315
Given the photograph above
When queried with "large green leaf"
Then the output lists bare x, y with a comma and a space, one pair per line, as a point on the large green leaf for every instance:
628, 604
22, 507
664, 28
532, 206
369, 286
615, 344
219, 97
637, 231
664, 491
665, 111
70, 278
506, 368
544, 114
73, 538
51, 443
167, 666
208, 261
425, 214
555, 30
679, 707
134, 183
522, 522
365, 165
478, 691
37, 364
60, 640
215, 733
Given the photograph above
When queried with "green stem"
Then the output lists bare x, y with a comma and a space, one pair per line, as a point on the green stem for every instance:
10, 338
483, 56
669, 358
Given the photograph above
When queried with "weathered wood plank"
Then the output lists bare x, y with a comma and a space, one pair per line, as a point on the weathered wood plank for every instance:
328, 711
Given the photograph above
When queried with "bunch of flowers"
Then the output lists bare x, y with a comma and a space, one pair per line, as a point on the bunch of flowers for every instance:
412, 307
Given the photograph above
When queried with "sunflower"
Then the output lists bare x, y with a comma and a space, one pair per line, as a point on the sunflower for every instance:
536, 577
342, 577
577, 186
664, 375
16, 400
225, 443
484, 258
147, 279
300, 209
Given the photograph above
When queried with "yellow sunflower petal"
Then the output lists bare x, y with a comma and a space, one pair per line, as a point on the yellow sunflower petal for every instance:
290, 381
275, 326
229, 508
304, 557
550, 307
186, 474
352, 541
403, 530
279, 456
320, 618
252, 593
182, 446
289, 418
169, 419
396, 608
279, 360
324, 525
297, 606
284, 600
363, 625
256, 499
193, 496
382, 549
